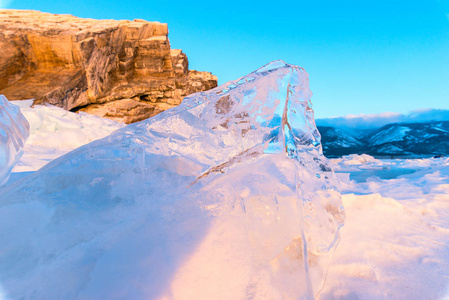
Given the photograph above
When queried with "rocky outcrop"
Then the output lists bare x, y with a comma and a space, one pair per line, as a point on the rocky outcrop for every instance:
123, 70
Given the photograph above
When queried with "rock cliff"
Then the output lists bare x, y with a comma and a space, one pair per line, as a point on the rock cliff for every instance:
123, 70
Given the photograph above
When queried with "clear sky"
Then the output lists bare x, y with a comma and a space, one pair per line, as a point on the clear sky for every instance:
363, 56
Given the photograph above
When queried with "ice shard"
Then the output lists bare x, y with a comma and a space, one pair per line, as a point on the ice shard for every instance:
227, 196
14, 130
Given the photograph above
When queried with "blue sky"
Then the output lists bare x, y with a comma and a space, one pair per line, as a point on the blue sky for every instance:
363, 57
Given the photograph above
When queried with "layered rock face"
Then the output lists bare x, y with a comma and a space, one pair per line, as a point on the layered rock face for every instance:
123, 70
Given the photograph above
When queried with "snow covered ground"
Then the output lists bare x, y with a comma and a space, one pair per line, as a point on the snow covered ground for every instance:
394, 245
54, 132
223, 197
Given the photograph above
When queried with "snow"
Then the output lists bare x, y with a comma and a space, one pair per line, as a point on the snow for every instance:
14, 130
392, 149
55, 131
343, 144
438, 127
394, 244
225, 197
395, 241
392, 134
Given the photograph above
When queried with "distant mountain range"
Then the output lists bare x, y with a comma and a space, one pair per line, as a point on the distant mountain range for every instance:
396, 139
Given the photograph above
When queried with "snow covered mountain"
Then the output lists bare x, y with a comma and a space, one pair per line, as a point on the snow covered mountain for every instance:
337, 142
397, 139
411, 139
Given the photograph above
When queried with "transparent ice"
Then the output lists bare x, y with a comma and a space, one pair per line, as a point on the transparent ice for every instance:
14, 130
227, 196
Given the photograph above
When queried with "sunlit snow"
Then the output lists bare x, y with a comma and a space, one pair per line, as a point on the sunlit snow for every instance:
54, 132
394, 244
225, 197
395, 241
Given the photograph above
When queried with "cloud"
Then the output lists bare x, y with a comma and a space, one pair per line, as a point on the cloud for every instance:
369, 121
